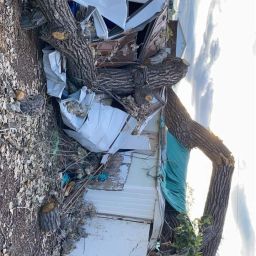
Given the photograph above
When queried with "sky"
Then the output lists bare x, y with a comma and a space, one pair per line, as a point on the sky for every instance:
219, 93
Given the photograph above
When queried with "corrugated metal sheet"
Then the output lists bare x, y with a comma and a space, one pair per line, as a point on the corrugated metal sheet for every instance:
138, 204
138, 197
132, 202
113, 237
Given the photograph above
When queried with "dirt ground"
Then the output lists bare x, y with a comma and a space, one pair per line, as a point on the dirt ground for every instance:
28, 168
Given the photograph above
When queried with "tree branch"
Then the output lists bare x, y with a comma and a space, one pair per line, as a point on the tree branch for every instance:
191, 135
121, 81
73, 45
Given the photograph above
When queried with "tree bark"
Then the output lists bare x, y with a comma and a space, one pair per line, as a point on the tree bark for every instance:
122, 81
192, 135
64, 34
73, 45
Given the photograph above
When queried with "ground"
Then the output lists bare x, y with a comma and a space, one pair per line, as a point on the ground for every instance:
28, 142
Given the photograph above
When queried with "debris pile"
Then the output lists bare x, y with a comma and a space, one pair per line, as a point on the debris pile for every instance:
120, 32
63, 211
99, 124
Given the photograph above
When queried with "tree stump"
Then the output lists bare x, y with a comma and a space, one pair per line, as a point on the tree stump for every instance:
49, 216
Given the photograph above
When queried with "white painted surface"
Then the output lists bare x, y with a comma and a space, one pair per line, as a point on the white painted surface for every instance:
120, 10
145, 14
130, 203
186, 13
158, 218
106, 120
109, 7
138, 198
139, 204
109, 237
181, 41
159, 213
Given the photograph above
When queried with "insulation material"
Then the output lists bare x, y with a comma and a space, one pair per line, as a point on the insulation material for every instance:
55, 71
75, 108
99, 127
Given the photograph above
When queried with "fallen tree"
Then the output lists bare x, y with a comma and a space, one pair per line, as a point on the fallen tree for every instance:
193, 135
64, 34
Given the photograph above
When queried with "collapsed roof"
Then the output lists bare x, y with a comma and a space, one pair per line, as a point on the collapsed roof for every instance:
125, 14
124, 32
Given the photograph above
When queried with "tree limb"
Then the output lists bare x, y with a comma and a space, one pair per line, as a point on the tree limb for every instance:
73, 45
191, 135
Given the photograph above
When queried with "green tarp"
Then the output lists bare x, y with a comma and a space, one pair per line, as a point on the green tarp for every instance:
174, 170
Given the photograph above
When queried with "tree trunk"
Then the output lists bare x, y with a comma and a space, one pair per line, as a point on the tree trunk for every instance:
123, 81
191, 135
64, 34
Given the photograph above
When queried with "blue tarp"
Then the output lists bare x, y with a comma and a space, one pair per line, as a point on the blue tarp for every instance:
174, 171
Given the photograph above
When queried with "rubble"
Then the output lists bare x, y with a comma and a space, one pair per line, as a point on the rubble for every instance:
124, 18
136, 32
83, 114
102, 123
30, 144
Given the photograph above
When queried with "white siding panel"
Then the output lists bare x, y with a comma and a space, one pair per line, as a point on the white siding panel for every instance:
130, 203
138, 197
109, 237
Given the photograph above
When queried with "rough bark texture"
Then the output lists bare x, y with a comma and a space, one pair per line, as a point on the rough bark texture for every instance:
123, 81
81, 69
191, 135
74, 46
